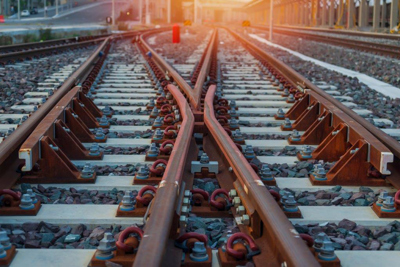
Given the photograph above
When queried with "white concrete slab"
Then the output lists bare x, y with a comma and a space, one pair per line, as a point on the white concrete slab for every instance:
304, 184
279, 160
90, 214
113, 160
368, 258
379, 86
128, 129
321, 214
123, 142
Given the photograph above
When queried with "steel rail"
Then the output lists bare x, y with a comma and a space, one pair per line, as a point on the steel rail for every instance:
9, 148
384, 49
298, 79
193, 96
280, 231
346, 32
33, 52
17, 47
157, 229
205, 68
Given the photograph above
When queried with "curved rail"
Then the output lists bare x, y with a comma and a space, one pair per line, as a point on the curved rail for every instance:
299, 80
281, 233
193, 96
154, 242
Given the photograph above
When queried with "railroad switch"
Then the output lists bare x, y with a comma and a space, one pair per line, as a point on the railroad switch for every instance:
204, 168
122, 252
13, 204
128, 207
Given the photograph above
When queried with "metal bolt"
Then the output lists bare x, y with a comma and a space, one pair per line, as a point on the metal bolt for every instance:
285, 92
232, 104
100, 134
232, 112
388, 205
290, 204
110, 239
320, 174
169, 96
106, 110
94, 150
26, 202
32, 195
158, 122
104, 121
236, 202
127, 202
232, 193
188, 193
280, 113
245, 219
319, 241
265, 173
240, 210
143, 173
287, 123
154, 112
199, 252
233, 123
88, 171
327, 251
3, 253
290, 98
182, 221
237, 135
306, 152
158, 135
296, 135
284, 196
382, 196
316, 167
153, 150
55, 148
105, 250
5, 240
249, 152
204, 158
185, 210
186, 202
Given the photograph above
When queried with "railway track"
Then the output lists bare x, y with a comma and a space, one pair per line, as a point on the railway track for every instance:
371, 47
209, 175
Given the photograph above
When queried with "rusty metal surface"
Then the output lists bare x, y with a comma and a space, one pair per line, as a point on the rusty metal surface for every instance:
297, 79
382, 49
283, 235
49, 43
153, 244
10, 146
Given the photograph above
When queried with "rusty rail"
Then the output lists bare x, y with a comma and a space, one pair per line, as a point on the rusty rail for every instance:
49, 43
383, 49
152, 246
346, 32
301, 82
193, 96
282, 236
9, 148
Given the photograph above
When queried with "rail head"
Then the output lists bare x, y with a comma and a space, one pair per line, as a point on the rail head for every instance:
156, 237
282, 233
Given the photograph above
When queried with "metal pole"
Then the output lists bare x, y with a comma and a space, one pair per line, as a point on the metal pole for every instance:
271, 20
56, 7
195, 11
19, 9
113, 13
169, 11
140, 10
147, 12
